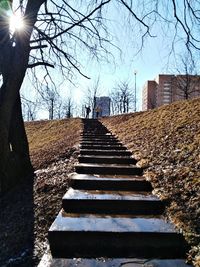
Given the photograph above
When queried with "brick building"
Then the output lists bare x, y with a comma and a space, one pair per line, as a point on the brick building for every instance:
166, 88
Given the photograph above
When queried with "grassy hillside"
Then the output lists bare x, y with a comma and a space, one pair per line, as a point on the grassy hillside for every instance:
50, 140
166, 141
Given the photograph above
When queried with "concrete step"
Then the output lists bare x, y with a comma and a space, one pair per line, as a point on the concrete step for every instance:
95, 131
97, 135
106, 159
48, 261
111, 202
92, 235
105, 152
85, 168
103, 147
103, 138
101, 142
91, 182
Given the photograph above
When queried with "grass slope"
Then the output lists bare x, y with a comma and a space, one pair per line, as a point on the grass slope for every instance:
50, 140
166, 141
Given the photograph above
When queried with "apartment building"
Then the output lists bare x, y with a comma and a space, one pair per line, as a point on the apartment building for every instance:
166, 88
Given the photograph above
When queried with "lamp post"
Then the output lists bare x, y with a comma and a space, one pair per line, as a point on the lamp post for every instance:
135, 73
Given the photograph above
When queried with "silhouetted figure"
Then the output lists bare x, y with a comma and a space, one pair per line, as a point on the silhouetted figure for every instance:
97, 110
88, 110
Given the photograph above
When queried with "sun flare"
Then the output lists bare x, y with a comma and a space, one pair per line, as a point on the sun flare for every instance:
16, 23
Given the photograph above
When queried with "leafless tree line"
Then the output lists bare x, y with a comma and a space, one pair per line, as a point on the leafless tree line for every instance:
48, 101
122, 98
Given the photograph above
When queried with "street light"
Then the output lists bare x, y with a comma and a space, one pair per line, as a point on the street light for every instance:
135, 73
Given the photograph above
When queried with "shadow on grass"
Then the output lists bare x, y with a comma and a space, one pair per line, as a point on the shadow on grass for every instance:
17, 226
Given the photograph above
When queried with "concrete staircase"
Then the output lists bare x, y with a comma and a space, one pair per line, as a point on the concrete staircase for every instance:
109, 210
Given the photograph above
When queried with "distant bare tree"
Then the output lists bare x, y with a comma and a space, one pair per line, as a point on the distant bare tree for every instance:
187, 82
68, 107
59, 114
92, 92
29, 109
122, 98
115, 103
51, 99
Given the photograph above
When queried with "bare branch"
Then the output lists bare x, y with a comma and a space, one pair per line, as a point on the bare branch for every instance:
83, 19
38, 47
137, 18
40, 64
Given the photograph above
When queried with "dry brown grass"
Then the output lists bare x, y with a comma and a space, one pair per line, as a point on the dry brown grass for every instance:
166, 141
52, 140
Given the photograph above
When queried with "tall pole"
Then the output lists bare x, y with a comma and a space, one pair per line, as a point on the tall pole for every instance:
135, 73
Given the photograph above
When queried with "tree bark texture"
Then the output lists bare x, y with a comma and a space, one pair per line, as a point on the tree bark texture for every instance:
14, 152
14, 160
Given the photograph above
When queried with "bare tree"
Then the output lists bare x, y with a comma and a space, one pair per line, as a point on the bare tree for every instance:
92, 92
122, 98
187, 83
53, 35
115, 103
51, 99
58, 113
29, 109
68, 107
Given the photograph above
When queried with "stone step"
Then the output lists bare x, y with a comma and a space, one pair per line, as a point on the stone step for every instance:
111, 202
103, 147
134, 183
92, 235
101, 142
48, 261
97, 140
97, 135
100, 138
106, 159
108, 169
96, 132
105, 152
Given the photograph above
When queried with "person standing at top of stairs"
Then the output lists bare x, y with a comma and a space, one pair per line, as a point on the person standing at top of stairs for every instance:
98, 111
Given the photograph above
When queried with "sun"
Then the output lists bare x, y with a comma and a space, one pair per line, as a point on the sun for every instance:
16, 23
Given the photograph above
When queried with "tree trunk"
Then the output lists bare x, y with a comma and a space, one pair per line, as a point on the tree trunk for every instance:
17, 137
14, 161
14, 154
13, 150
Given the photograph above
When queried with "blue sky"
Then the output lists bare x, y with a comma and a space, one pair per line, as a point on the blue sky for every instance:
152, 60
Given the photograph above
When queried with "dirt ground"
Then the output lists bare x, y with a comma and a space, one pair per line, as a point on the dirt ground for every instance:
27, 212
